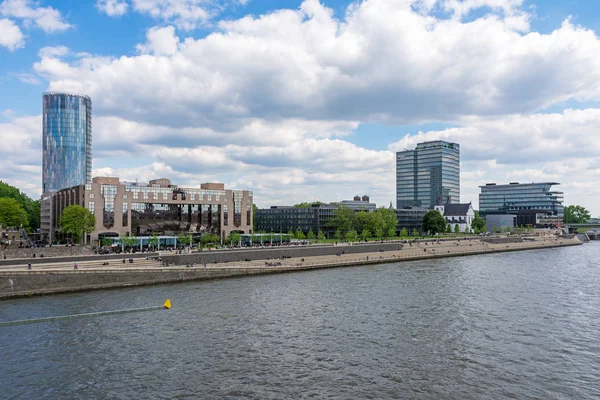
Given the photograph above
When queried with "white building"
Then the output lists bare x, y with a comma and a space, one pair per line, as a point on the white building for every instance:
460, 215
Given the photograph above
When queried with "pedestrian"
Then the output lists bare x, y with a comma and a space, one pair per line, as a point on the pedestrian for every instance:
204, 264
75, 267
29, 266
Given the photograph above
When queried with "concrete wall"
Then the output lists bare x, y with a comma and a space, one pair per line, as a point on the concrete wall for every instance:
211, 257
73, 259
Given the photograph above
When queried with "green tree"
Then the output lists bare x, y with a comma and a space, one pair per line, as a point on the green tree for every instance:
456, 228
414, 232
12, 215
153, 241
576, 215
77, 221
299, 234
478, 222
391, 232
31, 207
403, 232
254, 220
310, 235
234, 238
185, 239
434, 222
448, 228
210, 238
363, 220
378, 232
365, 234
338, 235
389, 220
106, 242
342, 219
129, 241
320, 235
351, 236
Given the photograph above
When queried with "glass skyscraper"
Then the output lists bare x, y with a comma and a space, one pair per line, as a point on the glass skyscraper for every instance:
67, 141
516, 198
428, 175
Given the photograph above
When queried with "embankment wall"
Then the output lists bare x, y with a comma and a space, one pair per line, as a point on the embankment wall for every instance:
24, 283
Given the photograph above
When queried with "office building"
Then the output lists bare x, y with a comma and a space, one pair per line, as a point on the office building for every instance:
410, 218
157, 208
534, 204
66, 148
428, 175
282, 219
66, 141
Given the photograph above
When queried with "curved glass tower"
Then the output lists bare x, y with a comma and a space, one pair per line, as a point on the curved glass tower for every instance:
67, 141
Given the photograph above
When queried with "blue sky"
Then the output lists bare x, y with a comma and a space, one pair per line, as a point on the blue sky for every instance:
308, 100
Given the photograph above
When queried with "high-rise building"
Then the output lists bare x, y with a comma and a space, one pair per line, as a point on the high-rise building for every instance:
66, 147
428, 175
66, 141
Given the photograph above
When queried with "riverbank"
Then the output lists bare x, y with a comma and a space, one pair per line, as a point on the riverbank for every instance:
60, 277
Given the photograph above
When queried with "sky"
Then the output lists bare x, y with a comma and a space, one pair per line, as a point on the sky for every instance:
310, 100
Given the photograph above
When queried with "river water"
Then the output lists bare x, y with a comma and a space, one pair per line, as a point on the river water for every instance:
513, 325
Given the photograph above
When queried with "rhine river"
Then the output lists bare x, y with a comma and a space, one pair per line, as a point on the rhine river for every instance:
520, 325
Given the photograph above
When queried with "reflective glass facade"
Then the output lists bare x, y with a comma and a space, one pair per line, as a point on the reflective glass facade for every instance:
66, 141
123, 208
520, 197
428, 175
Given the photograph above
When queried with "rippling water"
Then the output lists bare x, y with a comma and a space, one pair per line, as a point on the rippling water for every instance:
513, 325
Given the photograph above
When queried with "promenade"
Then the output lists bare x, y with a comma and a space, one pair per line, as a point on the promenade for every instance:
18, 280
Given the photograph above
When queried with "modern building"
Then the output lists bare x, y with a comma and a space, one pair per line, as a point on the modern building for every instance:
410, 218
359, 204
159, 208
66, 147
66, 141
428, 175
282, 219
534, 204
457, 215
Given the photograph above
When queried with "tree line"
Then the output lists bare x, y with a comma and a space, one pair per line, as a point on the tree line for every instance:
17, 209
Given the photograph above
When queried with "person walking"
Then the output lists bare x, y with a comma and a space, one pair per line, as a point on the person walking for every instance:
29, 266
75, 267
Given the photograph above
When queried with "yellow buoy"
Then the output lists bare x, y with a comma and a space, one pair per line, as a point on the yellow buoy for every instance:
167, 304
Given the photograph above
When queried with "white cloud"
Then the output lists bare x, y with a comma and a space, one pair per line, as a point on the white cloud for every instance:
113, 8
53, 51
46, 18
185, 14
11, 37
29, 78
21, 153
161, 41
384, 63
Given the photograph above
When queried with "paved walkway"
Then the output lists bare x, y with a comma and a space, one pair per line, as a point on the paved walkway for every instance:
416, 250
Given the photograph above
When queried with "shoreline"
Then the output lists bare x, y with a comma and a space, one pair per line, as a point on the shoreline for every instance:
59, 278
